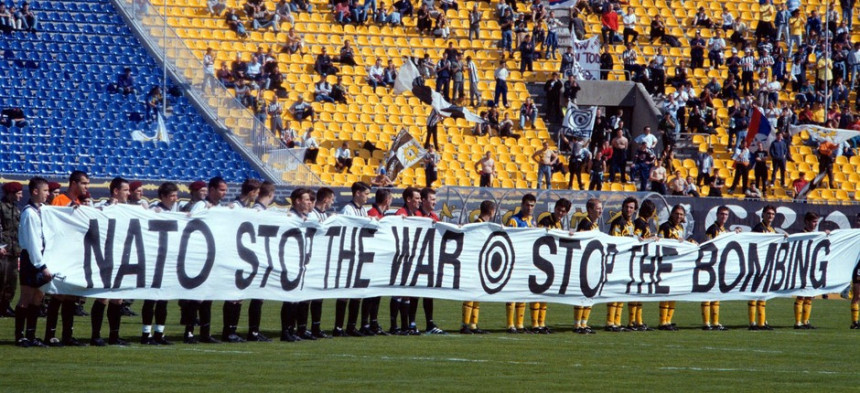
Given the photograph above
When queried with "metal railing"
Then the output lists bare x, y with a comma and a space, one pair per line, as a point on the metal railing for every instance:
242, 128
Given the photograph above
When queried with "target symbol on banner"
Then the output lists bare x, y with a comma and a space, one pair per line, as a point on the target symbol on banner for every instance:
581, 119
496, 262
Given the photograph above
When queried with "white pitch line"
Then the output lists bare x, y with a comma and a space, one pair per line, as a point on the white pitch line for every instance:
437, 359
213, 351
742, 350
753, 370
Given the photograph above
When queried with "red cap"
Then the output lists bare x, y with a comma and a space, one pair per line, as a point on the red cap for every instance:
134, 185
12, 187
53, 186
196, 186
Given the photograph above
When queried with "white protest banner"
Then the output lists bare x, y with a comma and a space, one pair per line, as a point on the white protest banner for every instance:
127, 252
587, 56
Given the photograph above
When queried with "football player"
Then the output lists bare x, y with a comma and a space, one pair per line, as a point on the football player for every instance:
515, 312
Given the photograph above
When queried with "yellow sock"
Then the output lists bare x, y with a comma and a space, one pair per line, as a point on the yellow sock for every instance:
706, 313
577, 316
542, 315
521, 314
751, 305
586, 312
807, 310
476, 309
639, 314
509, 314
762, 317
798, 310
631, 314
664, 312
671, 312
715, 313
535, 314
619, 310
610, 314
855, 312
467, 313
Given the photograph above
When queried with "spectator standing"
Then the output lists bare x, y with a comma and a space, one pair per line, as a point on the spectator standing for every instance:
760, 167
431, 160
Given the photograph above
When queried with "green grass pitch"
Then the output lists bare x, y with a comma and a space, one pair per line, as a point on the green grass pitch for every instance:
689, 360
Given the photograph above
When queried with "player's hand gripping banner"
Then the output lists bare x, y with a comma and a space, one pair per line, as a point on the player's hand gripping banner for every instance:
220, 254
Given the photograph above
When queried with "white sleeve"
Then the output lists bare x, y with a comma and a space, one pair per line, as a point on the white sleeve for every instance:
30, 236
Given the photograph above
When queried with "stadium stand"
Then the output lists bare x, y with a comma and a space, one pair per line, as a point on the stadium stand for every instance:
60, 78
376, 118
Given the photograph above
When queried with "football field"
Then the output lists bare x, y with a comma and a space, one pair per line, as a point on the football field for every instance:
688, 360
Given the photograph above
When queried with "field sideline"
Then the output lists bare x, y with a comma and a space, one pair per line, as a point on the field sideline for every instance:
688, 360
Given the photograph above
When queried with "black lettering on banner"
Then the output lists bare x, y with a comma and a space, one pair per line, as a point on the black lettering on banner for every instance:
346, 254
296, 234
542, 264
705, 266
590, 248
425, 255
647, 268
162, 227
802, 259
724, 259
188, 282
448, 257
663, 267
133, 238
309, 245
267, 232
633, 251
402, 255
757, 273
569, 245
363, 257
93, 249
779, 269
331, 233
609, 262
246, 254
820, 281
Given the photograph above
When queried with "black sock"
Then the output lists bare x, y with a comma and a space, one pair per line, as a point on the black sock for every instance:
374, 312
302, 309
316, 313
51, 319
413, 310
365, 311
237, 312
288, 316
226, 317
189, 311
114, 317
68, 314
21, 314
32, 313
428, 312
255, 314
339, 313
161, 312
204, 310
354, 307
393, 309
146, 312
404, 312
97, 315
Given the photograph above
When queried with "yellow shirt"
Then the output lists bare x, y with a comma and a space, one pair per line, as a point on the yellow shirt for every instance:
796, 25
825, 69
767, 13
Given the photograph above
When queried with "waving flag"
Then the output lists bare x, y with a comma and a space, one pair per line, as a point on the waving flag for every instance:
760, 130
159, 136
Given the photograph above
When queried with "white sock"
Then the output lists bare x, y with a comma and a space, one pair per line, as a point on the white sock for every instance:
147, 329
159, 328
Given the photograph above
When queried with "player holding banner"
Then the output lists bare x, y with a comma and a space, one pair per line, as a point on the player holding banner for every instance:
621, 226
594, 209
523, 219
711, 309
551, 221
671, 229
759, 306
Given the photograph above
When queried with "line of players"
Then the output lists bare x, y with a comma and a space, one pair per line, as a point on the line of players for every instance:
311, 205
